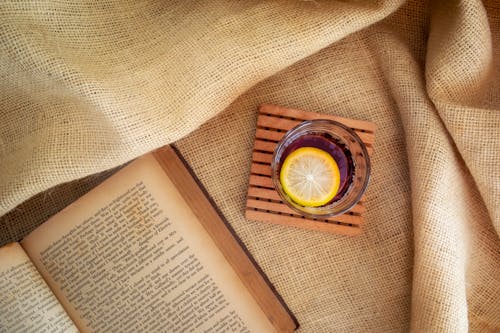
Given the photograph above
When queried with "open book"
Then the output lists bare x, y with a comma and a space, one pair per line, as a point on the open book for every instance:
145, 251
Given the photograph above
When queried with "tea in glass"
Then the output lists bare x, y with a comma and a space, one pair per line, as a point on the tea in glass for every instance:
320, 168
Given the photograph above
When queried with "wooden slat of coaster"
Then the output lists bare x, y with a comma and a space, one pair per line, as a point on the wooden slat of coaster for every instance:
300, 222
263, 202
262, 157
279, 207
268, 135
287, 124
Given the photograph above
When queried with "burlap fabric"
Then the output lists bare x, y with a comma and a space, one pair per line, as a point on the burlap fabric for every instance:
88, 86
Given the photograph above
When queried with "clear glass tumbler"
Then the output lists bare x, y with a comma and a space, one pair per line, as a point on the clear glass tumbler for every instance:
348, 150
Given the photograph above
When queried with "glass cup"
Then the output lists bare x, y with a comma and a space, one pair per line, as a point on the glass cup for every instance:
345, 146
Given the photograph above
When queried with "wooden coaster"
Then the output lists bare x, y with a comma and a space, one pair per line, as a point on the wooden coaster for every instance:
263, 202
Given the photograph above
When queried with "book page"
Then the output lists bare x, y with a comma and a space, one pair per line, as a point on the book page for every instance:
26, 302
131, 256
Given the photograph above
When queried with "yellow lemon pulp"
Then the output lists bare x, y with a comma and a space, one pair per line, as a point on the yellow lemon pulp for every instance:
310, 176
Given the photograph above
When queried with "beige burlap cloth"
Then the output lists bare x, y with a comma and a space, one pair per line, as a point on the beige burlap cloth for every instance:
87, 86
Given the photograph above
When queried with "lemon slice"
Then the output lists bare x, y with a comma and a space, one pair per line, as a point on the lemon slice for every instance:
310, 176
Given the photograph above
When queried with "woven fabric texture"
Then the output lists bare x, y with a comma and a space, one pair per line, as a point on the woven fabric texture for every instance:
87, 86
